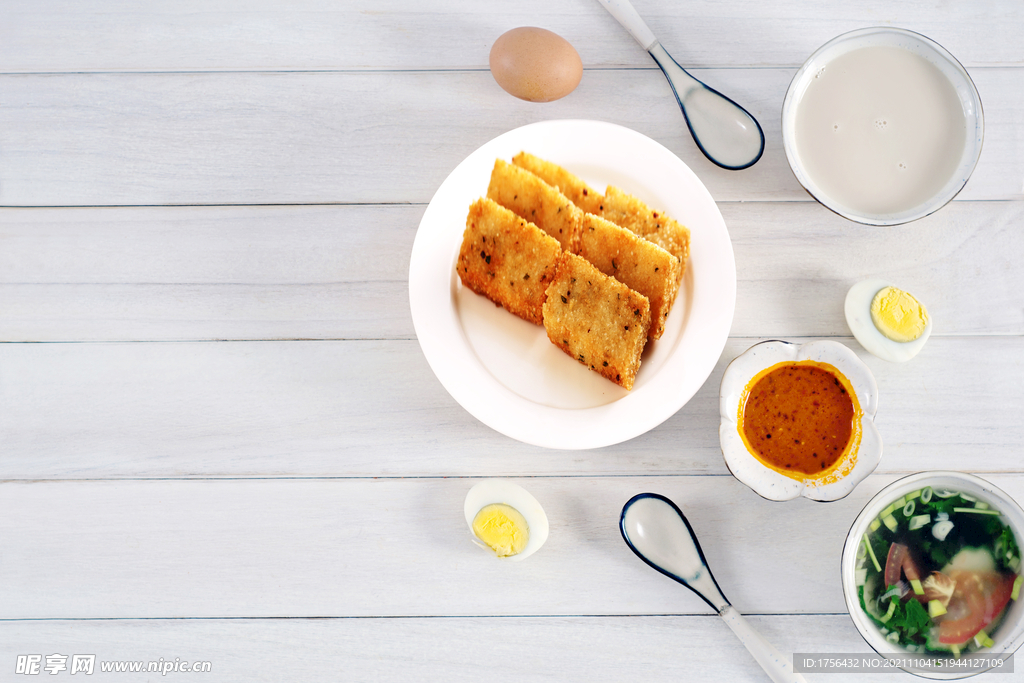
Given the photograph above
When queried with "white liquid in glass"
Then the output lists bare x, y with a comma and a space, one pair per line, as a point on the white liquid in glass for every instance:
880, 130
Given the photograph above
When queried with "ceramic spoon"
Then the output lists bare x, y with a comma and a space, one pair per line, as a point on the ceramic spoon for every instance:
727, 134
655, 529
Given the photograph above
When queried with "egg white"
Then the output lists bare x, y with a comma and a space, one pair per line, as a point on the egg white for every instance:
858, 317
492, 491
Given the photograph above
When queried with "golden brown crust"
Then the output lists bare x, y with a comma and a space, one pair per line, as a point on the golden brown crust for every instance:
581, 194
631, 213
637, 263
531, 198
596, 319
507, 259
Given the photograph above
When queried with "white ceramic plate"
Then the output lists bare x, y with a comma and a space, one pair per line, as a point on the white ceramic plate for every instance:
502, 369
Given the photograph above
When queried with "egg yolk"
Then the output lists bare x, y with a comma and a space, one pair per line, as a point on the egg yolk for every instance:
502, 528
898, 315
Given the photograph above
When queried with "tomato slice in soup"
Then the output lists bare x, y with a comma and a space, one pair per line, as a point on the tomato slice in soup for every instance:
899, 560
979, 597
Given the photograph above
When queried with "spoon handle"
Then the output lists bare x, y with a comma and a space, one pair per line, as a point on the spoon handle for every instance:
681, 81
627, 15
771, 660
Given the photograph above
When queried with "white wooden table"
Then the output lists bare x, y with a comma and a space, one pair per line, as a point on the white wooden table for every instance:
220, 441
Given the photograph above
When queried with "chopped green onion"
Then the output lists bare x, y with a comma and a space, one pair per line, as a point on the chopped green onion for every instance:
874, 560
926, 494
981, 639
945, 493
977, 511
1014, 564
916, 585
981, 505
892, 610
890, 522
861, 576
968, 498
912, 496
941, 529
936, 608
893, 637
919, 521
897, 504
955, 649
894, 592
874, 525
908, 509
1016, 587
887, 511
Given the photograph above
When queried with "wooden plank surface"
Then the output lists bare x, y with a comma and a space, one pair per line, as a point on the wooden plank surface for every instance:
273, 138
61, 35
399, 547
220, 441
471, 649
320, 409
314, 272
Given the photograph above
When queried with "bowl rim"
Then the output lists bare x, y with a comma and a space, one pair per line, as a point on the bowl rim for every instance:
965, 168
757, 476
1008, 642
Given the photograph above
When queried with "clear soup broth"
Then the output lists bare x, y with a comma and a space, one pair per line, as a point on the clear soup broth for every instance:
937, 571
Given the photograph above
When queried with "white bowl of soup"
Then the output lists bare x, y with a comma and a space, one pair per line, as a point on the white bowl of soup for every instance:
931, 571
798, 420
882, 126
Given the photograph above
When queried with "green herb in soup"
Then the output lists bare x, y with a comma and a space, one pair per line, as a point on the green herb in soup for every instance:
937, 570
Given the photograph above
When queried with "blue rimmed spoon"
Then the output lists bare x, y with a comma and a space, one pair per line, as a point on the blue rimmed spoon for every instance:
656, 530
724, 131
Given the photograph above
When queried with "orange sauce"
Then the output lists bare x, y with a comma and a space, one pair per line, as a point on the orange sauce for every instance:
800, 418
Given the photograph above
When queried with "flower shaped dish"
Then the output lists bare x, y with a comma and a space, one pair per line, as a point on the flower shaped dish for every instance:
861, 456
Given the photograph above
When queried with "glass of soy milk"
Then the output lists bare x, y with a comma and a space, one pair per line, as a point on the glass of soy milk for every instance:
882, 126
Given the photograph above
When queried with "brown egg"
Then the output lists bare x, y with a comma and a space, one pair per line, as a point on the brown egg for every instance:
535, 64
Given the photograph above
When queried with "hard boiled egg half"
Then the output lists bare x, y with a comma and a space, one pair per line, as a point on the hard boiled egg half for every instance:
887, 321
505, 519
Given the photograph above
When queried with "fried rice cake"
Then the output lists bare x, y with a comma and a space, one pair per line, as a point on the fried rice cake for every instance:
641, 265
615, 205
531, 198
581, 194
629, 212
507, 259
596, 319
